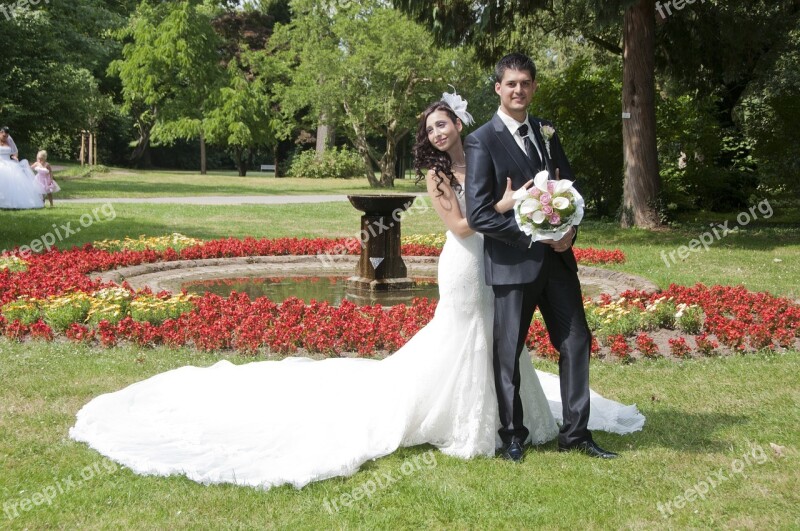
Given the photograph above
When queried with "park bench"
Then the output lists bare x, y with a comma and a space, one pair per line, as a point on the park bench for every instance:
267, 167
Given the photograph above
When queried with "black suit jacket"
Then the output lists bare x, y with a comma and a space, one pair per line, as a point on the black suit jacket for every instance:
493, 155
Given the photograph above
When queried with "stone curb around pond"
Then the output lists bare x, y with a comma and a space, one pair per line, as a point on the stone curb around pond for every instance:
171, 275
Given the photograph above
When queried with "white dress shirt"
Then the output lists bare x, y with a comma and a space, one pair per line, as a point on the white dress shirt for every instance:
513, 127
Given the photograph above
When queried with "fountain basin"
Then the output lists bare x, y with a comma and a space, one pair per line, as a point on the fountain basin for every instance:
171, 276
381, 204
331, 289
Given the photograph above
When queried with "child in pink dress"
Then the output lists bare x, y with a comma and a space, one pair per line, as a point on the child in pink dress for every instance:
44, 176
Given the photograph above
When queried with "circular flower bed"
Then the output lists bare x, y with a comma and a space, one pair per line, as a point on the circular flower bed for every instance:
49, 296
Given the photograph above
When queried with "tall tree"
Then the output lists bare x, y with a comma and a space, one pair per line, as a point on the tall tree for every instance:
169, 67
197, 69
367, 68
242, 115
735, 57
246, 116
51, 69
497, 27
743, 57
642, 181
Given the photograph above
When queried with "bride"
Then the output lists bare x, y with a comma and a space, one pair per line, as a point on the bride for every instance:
18, 188
297, 420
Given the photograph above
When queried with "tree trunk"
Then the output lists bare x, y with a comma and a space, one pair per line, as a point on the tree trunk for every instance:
202, 154
362, 146
241, 165
388, 161
140, 158
642, 181
323, 136
363, 149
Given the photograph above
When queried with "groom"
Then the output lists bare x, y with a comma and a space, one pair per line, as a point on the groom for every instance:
524, 275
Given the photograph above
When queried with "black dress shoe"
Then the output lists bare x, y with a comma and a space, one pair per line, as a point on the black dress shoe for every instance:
589, 448
512, 452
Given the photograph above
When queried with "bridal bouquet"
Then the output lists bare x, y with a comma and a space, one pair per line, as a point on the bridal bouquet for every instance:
547, 209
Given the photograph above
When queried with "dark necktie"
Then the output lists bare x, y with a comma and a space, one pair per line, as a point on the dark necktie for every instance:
529, 147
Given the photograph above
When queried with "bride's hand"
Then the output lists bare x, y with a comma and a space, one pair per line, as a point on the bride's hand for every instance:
563, 244
507, 202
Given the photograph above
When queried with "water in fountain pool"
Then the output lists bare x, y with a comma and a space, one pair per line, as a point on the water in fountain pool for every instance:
306, 288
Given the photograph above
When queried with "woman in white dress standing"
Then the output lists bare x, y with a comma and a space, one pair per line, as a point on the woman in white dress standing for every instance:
18, 188
296, 421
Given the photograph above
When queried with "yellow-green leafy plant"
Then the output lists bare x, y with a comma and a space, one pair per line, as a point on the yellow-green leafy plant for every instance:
61, 311
25, 310
155, 310
13, 263
110, 304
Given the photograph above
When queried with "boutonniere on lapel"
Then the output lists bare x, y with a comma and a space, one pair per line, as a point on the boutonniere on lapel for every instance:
547, 133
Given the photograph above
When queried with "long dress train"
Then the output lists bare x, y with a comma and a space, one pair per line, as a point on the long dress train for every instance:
296, 421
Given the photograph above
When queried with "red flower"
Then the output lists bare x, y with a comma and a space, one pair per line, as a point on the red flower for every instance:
678, 347
16, 330
704, 345
647, 346
79, 333
107, 333
740, 320
619, 347
40, 330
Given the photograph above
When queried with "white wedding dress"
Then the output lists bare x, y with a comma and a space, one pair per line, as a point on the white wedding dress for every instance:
18, 187
296, 421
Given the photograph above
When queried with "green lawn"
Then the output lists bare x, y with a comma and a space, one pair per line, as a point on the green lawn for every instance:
707, 418
120, 182
703, 417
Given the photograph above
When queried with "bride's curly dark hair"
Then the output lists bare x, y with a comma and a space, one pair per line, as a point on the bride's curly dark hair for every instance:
427, 157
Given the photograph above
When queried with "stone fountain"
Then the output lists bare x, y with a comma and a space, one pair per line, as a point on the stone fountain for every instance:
381, 273
380, 267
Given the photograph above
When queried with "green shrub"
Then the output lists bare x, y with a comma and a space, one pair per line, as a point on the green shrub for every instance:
689, 319
338, 163
14, 264
625, 323
60, 312
25, 310
659, 314
110, 304
155, 311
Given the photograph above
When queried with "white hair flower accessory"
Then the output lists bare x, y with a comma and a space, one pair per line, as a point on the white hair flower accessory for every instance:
459, 106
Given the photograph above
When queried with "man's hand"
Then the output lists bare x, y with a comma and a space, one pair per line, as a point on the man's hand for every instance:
564, 243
